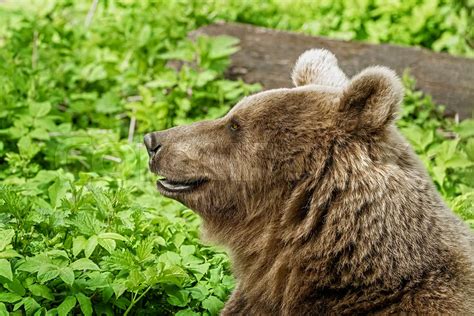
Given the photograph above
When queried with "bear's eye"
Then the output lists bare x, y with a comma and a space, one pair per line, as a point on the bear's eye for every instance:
234, 126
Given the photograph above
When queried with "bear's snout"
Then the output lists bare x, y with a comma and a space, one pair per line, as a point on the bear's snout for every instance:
152, 143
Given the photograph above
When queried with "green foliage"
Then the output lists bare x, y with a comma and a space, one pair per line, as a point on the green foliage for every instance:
83, 229
441, 25
445, 147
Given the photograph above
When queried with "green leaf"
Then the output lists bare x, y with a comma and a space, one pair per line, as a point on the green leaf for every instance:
66, 306
40, 133
458, 161
7, 235
465, 128
187, 250
27, 148
108, 103
170, 258
213, 305
90, 245
47, 272
107, 244
15, 286
33, 264
67, 275
6, 269
199, 270
223, 46
78, 244
9, 297
112, 236
178, 298
30, 305
199, 292
469, 149
418, 137
9, 253
85, 304
84, 264
119, 288
57, 191
3, 310
41, 291
39, 109
178, 239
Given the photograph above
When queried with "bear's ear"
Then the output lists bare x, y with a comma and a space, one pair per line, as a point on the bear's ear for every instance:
371, 100
318, 66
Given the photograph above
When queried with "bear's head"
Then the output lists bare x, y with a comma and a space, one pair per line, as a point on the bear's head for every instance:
237, 167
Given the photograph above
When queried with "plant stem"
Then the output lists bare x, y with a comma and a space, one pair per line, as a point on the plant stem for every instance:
134, 301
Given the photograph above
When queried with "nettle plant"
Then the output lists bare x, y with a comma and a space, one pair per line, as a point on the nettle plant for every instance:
84, 228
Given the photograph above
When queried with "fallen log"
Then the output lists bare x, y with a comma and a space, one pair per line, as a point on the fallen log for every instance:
267, 56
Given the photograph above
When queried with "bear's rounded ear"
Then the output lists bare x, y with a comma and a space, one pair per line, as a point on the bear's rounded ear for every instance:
318, 66
372, 98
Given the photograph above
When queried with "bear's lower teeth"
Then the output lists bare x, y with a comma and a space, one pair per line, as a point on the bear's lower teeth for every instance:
174, 186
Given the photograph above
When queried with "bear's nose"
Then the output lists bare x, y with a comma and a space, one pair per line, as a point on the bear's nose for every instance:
152, 144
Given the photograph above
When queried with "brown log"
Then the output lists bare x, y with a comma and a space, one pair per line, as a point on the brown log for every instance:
267, 57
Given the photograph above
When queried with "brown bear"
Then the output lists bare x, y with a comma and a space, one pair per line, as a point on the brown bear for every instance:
323, 205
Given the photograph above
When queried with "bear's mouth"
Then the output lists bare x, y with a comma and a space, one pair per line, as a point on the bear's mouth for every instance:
166, 185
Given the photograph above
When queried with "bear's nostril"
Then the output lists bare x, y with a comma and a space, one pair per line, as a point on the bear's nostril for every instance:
152, 145
154, 150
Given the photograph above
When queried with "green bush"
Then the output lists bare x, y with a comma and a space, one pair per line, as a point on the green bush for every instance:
83, 227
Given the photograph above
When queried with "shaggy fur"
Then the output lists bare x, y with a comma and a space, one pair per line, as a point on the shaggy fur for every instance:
322, 203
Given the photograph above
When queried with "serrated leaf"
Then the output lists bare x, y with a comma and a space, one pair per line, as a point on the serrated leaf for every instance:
6, 270
66, 306
67, 275
90, 245
85, 304
30, 305
84, 264
223, 46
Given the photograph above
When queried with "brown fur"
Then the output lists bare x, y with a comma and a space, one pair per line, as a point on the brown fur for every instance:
322, 203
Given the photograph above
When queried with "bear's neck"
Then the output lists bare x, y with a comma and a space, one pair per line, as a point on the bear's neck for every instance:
358, 223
